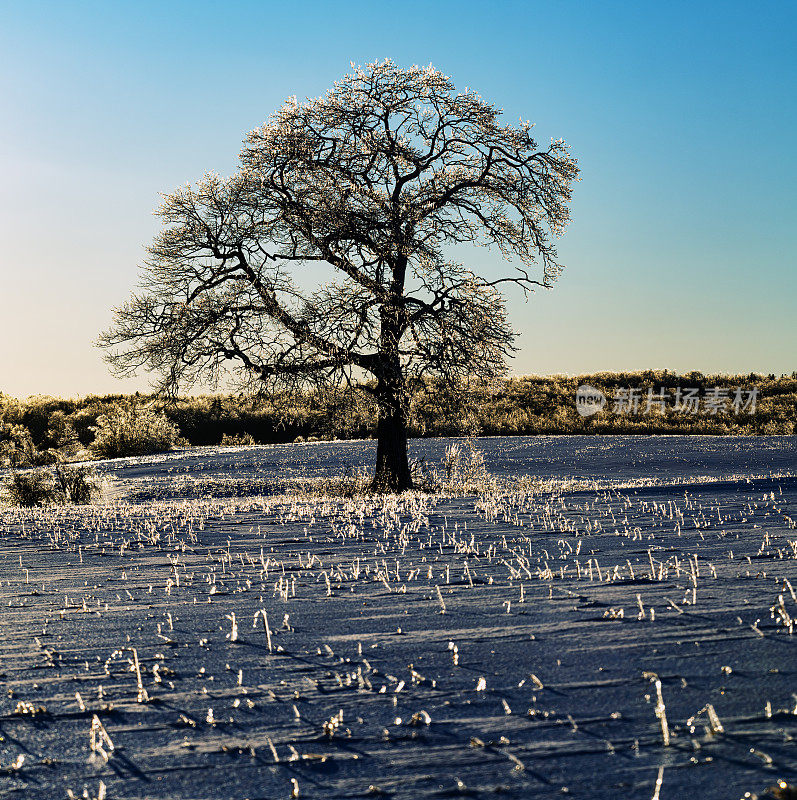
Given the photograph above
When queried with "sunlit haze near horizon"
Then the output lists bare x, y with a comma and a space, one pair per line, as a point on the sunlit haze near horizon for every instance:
681, 252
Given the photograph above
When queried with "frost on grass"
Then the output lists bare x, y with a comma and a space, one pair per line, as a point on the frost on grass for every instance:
264, 637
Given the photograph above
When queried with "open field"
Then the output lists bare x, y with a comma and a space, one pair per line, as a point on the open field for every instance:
608, 613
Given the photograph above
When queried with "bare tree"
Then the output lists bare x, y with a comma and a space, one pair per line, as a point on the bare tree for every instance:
323, 260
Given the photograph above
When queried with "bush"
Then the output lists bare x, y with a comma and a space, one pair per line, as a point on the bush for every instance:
237, 440
34, 488
18, 450
68, 485
462, 471
62, 436
79, 485
132, 430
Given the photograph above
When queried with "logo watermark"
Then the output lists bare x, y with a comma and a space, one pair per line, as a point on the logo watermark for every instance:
589, 400
682, 400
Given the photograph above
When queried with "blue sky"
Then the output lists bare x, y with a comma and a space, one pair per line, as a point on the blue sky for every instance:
681, 253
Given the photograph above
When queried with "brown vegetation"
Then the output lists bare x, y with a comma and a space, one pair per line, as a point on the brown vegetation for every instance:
43, 430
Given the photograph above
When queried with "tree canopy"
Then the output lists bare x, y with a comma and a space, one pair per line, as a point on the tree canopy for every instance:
375, 181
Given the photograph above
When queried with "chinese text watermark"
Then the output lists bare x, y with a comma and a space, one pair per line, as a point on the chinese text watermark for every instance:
681, 400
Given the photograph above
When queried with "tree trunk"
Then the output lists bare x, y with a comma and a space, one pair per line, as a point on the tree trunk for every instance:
392, 461
392, 472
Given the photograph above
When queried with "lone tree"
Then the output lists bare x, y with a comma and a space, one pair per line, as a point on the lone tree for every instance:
323, 259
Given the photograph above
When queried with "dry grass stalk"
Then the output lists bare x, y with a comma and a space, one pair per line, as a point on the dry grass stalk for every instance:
100, 742
440, 598
142, 697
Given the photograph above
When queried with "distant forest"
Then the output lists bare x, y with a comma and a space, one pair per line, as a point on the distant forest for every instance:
528, 405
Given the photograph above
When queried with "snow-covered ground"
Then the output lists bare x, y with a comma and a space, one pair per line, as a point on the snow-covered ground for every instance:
232, 640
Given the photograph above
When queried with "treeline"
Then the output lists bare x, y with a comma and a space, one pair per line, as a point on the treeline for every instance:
42, 430
546, 405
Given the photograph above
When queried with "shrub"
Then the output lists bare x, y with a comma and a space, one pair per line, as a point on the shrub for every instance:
34, 488
777, 428
79, 485
132, 430
237, 440
67, 485
18, 450
464, 464
462, 471
62, 436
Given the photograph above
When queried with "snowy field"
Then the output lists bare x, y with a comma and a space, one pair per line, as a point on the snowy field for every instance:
611, 618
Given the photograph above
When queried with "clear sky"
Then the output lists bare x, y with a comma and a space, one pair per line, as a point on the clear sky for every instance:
681, 253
